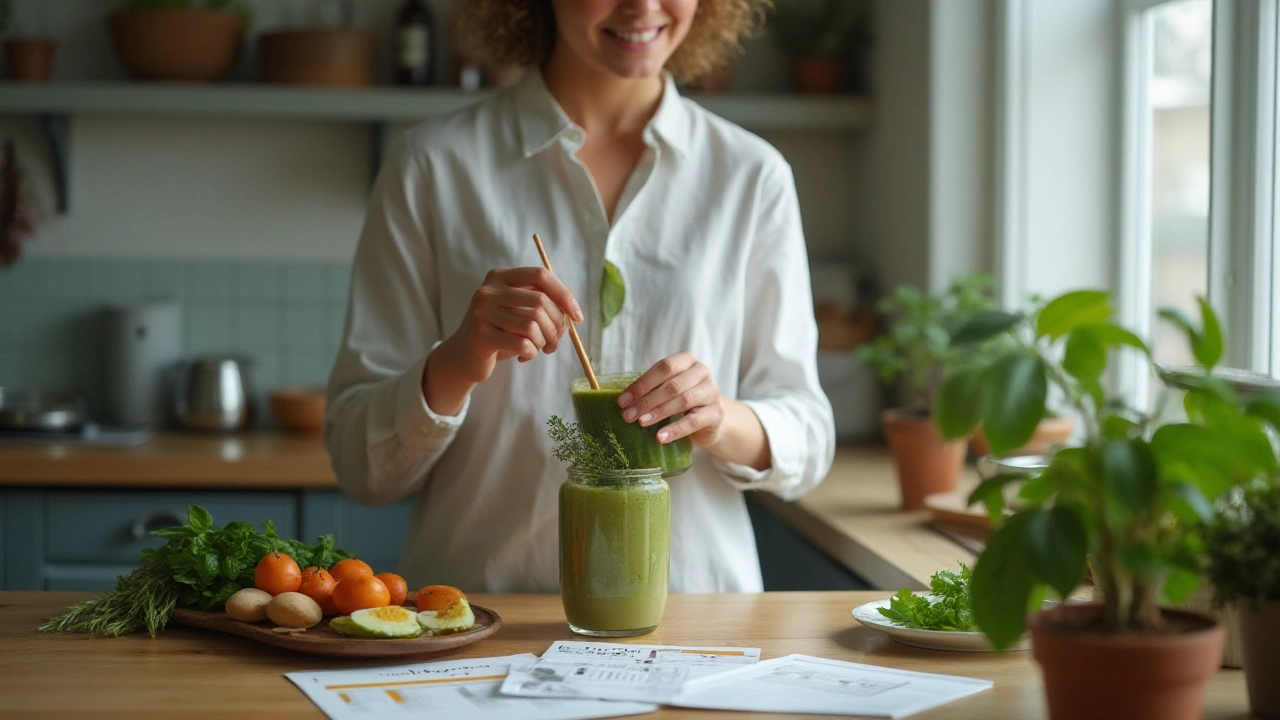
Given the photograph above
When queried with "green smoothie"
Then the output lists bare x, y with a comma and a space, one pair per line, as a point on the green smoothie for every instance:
598, 413
615, 553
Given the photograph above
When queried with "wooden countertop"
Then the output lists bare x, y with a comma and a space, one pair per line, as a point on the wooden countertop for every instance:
258, 461
854, 517
185, 670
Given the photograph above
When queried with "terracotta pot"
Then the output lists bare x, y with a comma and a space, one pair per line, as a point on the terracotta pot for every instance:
1097, 676
1260, 640
927, 463
188, 45
332, 57
817, 75
1050, 431
29, 59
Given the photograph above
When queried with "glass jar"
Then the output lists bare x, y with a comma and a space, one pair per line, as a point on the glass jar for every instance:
598, 414
615, 550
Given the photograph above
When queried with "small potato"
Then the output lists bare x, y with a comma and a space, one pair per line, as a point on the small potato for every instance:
249, 605
294, 610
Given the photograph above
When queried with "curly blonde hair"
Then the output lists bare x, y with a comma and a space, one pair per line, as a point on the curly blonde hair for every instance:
522, 32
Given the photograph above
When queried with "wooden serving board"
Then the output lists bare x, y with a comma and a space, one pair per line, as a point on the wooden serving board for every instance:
322, 640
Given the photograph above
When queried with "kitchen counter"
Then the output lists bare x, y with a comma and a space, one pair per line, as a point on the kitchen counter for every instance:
257, 461
853, 515
185, 670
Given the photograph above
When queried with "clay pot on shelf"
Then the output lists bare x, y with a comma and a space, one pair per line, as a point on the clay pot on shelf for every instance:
927, 463
29, 59
178, 44
817, 75
1104, 676
331, 57
1051, 431
298, 409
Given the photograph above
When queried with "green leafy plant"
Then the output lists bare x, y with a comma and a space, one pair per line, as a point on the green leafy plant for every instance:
200, 566
948, 608
828, 28
6, 16
1130, 503
1242, 544
578, 448
918, 343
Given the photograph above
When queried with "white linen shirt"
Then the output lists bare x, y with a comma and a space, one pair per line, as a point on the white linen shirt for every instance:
707, 235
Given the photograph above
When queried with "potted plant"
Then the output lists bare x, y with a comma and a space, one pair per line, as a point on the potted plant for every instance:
821, 37
1242, 543
917, 348
179, 40
1128, 505
28, 58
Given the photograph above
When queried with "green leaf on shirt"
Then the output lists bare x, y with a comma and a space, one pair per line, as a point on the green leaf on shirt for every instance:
613, 292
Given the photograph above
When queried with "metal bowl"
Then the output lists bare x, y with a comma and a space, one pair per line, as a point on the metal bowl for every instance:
32, 410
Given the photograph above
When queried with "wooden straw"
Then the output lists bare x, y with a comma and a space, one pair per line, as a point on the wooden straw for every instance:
573, 333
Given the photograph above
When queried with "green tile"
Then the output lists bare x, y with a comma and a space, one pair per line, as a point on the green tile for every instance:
78, 279
167, 279
124, 281
210, 281
302, 327
338, 282
306, 368
304, 282
257, 282
208, 328
257, 324
28, 279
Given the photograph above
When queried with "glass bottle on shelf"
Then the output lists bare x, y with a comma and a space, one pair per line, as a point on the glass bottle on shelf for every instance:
414, 40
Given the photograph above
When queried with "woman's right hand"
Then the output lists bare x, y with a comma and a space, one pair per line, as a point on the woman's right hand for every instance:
516, 312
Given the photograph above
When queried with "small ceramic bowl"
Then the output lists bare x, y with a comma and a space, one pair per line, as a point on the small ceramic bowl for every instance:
298, 409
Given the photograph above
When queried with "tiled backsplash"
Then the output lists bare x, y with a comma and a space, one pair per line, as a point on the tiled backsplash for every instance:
287, 317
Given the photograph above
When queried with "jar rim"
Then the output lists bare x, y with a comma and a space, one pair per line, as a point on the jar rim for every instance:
581, 383
628, 474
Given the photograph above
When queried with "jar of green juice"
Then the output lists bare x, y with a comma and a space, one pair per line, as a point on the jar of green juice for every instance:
615, 550
598, 414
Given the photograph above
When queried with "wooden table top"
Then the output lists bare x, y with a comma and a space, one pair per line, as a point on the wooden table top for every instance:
186, 672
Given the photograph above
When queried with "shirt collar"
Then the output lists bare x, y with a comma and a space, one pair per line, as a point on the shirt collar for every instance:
542, 121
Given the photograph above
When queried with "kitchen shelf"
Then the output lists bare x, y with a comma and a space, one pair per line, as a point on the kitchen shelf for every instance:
55, 103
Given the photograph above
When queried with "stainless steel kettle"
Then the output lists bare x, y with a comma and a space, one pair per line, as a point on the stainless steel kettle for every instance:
213, 393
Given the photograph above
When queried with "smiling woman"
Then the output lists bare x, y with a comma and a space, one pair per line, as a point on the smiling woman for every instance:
523, 33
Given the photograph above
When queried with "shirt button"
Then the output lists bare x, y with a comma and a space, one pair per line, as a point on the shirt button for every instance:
575, 136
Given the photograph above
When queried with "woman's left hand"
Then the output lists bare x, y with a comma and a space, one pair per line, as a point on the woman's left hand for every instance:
677, 384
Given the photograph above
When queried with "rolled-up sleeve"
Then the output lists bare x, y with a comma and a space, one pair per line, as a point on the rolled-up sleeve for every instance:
382, 437
779, 373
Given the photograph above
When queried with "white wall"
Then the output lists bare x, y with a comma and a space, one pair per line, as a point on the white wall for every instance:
202, 187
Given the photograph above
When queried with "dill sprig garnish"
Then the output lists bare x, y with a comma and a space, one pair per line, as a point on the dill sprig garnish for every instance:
578, 448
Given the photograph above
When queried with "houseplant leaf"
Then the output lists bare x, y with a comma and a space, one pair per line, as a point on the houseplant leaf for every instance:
1085, 356
1068, 312
1013, 400
984, 326
1057, 547
1129, 474
957, 408
1209, 350
1002, 584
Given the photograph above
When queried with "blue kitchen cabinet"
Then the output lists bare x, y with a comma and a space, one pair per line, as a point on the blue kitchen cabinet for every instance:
375, 534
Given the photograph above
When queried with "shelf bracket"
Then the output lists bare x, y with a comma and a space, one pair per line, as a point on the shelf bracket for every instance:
57, 132
377, 140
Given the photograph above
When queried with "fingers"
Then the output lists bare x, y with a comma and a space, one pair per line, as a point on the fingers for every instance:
523, 311
541, 280
673, 385
706, 418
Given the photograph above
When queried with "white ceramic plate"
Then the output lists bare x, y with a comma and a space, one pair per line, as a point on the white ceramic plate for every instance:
869, 615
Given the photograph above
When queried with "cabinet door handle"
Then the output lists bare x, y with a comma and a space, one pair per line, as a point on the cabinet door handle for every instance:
144, 524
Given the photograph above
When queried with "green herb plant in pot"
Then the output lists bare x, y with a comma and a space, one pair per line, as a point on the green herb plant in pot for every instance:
1243, 547
822, 38
916, 348
1129, 505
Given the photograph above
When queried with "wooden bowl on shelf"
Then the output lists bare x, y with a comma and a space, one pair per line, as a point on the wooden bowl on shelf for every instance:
333, 57
299, 409
178, 44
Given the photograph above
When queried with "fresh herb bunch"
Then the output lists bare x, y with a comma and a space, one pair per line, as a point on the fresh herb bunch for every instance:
199, 566
578, 448
1243, 545
947, 608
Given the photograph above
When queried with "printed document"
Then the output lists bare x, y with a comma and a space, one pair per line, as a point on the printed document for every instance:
613, 671
463, 689
804, 684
